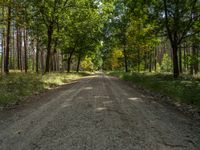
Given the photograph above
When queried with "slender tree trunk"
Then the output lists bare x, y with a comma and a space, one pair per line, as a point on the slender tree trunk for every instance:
145, 61
62, 59
21, 62
51, 62
150, 62
2, 54
184, 55
6, 63
155, 60
2, 44
25, 51
33, 59
37, 57
69, 58
175, 60
180, 60
194, 61
58, 61
49, 33
54, 63
10, 51
42, 61
14, 49
69, 63
188, 54
17, 40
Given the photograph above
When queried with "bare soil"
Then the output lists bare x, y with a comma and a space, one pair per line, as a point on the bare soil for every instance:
97, 113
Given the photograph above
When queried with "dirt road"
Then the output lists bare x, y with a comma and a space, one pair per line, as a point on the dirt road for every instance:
97, 113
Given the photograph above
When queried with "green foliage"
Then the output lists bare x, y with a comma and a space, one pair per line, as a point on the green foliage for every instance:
114, 61
166, 64
87, 64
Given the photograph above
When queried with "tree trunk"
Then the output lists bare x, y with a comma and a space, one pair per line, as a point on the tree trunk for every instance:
185, 59
25, 51
6, 62
49, 33
2, 53
62, 61
173, 37
2, 45
19, 49
155, 60
69, 63
58, 61
37, 57
42, 61
12, 50
175, 60
180, 60
194, 61
150, 62
145, 61
54, 63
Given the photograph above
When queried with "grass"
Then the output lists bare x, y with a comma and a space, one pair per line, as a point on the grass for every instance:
15, 86
185, 89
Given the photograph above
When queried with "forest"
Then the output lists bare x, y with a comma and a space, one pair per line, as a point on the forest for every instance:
100, 74
156, 36
45, 36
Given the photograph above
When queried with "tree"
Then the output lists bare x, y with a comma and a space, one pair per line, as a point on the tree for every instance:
6, 61
50, 12
179, 20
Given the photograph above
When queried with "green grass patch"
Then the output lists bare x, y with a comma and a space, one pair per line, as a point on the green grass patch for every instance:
185, 89
17, 85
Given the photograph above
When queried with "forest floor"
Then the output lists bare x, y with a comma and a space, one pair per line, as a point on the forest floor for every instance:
17, 86
97, 113
184, 91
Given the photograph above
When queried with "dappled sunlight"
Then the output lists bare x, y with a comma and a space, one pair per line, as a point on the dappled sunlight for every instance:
91, 76
88, 88
101, 108
135, 99
66, 105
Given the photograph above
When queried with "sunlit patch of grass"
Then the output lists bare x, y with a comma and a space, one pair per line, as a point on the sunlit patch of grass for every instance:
17, 85
55, 79
185, 89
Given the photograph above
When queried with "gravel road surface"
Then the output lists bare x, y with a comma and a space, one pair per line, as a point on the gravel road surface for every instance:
97, 113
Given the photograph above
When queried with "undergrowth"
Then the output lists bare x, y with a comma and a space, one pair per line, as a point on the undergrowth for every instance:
15, 86
185, 89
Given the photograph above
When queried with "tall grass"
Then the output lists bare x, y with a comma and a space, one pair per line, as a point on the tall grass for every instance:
17, 85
